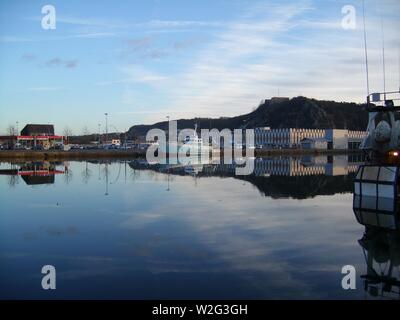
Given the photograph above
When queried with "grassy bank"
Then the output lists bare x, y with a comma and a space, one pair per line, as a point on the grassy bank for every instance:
131, 154
70, 155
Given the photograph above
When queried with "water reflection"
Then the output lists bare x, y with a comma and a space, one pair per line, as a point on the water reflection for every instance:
148, 231
382, 254
277, 177
33, 173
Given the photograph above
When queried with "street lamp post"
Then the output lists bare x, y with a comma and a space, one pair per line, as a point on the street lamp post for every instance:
17, 134
106, 114
99, 133
168, 126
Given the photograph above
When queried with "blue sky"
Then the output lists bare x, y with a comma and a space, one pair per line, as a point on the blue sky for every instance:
143, 60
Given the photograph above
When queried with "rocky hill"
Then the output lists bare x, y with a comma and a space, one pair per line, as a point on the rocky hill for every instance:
299, 112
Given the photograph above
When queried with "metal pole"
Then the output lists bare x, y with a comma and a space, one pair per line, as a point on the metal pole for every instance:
99, 133
17, 133
106, 114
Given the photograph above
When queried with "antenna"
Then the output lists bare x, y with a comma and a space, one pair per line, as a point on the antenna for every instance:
365, 48
383, 59
399, 66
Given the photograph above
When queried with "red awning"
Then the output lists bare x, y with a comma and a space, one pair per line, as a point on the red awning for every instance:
39, 137
39, 172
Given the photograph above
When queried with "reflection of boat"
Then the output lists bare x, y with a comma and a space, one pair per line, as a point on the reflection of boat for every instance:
382, 254
193, 169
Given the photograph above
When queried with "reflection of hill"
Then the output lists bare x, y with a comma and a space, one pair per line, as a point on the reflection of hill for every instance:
302, 187
298, 187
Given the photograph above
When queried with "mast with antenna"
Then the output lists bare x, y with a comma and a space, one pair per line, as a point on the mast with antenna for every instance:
399, 66
365, 48
383, 59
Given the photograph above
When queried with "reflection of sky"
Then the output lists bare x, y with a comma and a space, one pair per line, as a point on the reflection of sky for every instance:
205, 238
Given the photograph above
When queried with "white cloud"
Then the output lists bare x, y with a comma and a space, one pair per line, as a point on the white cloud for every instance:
278, 49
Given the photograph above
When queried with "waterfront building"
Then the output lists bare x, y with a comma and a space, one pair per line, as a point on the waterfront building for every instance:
308, 138
33, 135
314, 143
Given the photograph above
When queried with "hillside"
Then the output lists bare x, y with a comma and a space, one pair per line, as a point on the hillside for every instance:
300, 112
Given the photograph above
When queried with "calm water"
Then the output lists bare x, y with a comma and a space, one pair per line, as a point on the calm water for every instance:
133, 231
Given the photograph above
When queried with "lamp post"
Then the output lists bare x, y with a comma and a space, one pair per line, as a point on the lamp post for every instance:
106, 114
99, 133
168, 126
17, 134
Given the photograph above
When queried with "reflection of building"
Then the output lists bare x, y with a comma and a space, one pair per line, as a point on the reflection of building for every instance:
339, 165
308, 138
34, 173
308, 165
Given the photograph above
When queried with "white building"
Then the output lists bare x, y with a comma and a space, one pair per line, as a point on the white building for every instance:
314, 143
284, 138
292, 138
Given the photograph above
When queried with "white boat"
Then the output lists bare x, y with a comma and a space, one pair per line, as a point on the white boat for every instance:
192, 146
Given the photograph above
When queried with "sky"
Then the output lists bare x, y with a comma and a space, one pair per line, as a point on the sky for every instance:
141, 61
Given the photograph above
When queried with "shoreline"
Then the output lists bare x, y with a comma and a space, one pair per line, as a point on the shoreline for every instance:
133, 154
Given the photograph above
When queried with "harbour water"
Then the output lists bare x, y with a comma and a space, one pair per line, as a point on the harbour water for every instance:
130, 230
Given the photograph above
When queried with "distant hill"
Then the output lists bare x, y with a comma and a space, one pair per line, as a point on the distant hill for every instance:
299, 112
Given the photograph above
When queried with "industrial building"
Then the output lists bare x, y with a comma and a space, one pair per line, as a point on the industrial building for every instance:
314, 143
308, 138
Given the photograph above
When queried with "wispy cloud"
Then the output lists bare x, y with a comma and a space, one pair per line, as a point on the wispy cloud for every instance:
275, 48
28, 57
45, 89
57, 62
94, 35
14, 39
136, 74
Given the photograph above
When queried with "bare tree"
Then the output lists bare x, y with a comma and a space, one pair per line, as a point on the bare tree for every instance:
13, 180
67, 133
68, 175
85, 131
86, 174
12, 130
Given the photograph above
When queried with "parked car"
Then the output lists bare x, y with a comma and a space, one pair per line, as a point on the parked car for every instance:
57, 147
19, 146
38, 147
